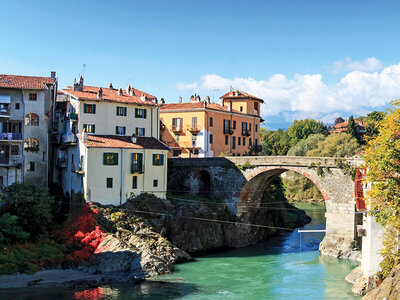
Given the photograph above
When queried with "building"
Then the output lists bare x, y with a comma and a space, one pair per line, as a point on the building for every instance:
200, 128
26, 113
109, 147
359, 126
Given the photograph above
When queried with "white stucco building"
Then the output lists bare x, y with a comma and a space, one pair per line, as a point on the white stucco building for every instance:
110, 146
26, 112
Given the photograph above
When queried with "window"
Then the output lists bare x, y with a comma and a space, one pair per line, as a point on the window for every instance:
249, 126
177, 124
140, 113
177, 138
89, 128
155, 183
16, 105
1, 182
31, 119
109, 183
211, 122
120, 130
14, 150
256, 106
227, 126
226, 140
31, 166
250, 143
234, 125
72, 161
121, 111
256, 127
89, 108
239, 141
31, 144
194, 122
241, 109
244, 141
140, 131
158, 159
137, 162
32, 96
211, 138
234, 142
256, 142
134, 182
110, 159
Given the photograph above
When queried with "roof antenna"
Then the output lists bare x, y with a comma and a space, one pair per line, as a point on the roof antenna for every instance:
83, 70
231, 88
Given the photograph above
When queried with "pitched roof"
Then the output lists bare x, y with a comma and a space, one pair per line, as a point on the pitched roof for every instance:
346, 123
240, 95
24, 82
196, 105
90, 93
123, 142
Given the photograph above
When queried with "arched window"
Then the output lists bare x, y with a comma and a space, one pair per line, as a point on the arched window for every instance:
31, 119
31, 144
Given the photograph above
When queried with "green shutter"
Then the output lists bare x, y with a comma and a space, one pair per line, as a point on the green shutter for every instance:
161, 159
140, 162
104, 158
94, 108
154, 159
136, 112
136, 130
144, 113
115, 159
144, 134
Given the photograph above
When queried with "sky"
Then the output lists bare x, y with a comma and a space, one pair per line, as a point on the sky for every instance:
306, 59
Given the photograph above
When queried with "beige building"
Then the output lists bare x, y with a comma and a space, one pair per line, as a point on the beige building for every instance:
110, 147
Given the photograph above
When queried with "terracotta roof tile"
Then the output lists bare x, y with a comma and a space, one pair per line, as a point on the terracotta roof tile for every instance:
124, 142
24, 82
240, 95
195, 105
90, 93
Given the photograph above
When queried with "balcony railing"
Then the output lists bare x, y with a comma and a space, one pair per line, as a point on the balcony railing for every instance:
228, 130
177, 128
246, 132
10, 162
193, 128
4, 136
72, 116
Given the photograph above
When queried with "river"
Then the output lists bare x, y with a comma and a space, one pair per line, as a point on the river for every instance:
285, 267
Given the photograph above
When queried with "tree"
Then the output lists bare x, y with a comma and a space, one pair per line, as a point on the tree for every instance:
382, 159
339, 120
336, 145
31, 204
305, 145
10, 232
302, 129
372, 121
351, 129
274, 142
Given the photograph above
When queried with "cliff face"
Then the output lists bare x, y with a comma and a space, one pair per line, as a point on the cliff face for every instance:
389, 289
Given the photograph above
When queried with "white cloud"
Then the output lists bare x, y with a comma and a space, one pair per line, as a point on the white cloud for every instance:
308, 96
370, 64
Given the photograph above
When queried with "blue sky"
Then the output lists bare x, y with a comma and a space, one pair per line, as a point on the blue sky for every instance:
317, 59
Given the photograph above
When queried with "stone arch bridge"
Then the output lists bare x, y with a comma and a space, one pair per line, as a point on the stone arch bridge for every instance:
241, 180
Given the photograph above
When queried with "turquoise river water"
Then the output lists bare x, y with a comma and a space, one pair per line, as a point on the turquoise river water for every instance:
285, 267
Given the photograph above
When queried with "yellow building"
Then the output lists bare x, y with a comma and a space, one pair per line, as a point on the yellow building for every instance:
200, 128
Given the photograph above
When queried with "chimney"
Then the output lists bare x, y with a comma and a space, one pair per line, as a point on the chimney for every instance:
221, 102
133, 138
155, 100
180, 99
100, 93
162, 101
208, 99
230, 106
119, 92
132, 92
128, 89
143, 97
197, 98
110, 86
192, 98
84, 135
53, 75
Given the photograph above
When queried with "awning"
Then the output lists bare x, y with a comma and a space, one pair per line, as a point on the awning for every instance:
5, 99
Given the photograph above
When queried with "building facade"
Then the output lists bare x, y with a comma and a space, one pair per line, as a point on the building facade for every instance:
26, 118
109, 147
200, 128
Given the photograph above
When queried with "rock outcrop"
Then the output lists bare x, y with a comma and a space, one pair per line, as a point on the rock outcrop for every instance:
389, 289
340, 248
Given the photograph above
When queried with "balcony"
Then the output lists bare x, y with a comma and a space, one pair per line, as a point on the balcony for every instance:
77, 168
228, 130
177, 128
5, 136
4, 112
6, 161
194, 128
62, 159
246, 132
72, 116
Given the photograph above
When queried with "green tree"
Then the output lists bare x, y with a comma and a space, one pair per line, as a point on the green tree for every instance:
382, 160
351, 128
339, 120
305, 145
302, 129
336, 145
274, 142
10, 232
31, 204
372, 121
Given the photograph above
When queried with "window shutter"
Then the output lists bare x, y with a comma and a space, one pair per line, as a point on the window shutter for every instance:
93, 128
144, 113
144, 134
136, 112
117, 111
140, 162
154, 159
94, 108
132, 162
136, 131
115, 156
161, 159
104, 158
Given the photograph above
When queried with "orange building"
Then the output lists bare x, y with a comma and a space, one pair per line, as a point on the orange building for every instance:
200, 128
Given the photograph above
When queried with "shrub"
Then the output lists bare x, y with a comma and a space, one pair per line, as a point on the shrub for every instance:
31, 204
10, 232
